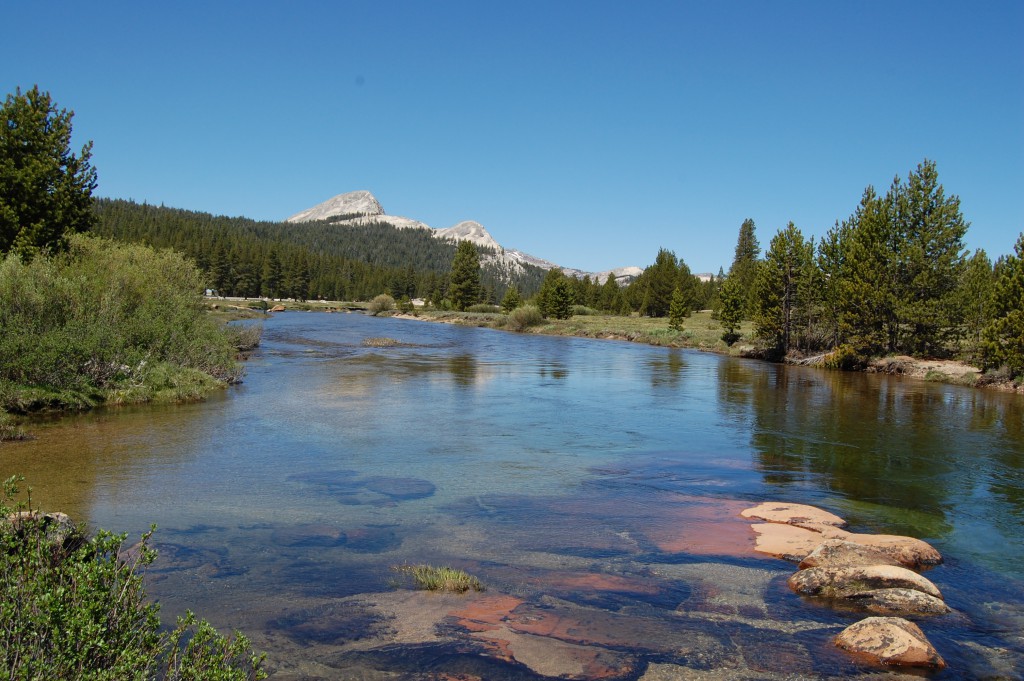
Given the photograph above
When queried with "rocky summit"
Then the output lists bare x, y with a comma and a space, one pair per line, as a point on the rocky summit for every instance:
362, 208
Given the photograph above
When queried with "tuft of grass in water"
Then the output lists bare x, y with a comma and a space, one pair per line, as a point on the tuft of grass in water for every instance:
380, 342
432, 578
9, 430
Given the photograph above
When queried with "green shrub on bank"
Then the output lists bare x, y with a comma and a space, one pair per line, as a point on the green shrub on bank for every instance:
524, 317
382, 303
73, 607
483, 307
106, 318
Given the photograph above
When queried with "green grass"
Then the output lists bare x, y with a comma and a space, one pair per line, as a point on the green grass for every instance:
447, 579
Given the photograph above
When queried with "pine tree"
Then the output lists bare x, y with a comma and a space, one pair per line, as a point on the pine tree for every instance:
610, 299
744, 265
512, 299
930, 229
660, 279
975, 301
464, 287
1004, 336
677, 310
45, 190
272, 281
776, 315
555, 296
731, 312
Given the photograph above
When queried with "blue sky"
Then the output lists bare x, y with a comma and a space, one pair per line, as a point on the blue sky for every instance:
587, 133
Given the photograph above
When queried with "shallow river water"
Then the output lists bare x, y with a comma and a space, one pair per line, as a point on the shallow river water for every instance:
593, 487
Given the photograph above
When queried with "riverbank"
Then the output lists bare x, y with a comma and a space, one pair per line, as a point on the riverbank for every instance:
701, 332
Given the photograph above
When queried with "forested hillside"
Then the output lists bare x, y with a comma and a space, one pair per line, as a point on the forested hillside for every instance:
243, 257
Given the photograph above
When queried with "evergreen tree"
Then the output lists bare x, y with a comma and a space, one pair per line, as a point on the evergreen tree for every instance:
930, 229
688, 287
776, 316
678, 310
555, 296
45, 190
272, 282
975, 293
731, 312
660, 281
610, 299
464, 287
1004, 336
512, 299
744, 265
867, 289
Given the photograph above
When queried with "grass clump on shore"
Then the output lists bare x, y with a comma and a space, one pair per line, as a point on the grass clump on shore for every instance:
107, 321
74, 607
448, 579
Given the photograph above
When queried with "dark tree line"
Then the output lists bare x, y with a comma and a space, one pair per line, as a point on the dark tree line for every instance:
249, 258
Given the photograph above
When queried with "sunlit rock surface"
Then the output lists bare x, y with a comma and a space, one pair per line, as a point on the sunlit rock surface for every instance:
890, 641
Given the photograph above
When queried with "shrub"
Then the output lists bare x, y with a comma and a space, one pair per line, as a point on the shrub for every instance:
844, 358
96, 319
524, 317
382, 303
483, 307
75, 608
245, 337
582, 310
8, 429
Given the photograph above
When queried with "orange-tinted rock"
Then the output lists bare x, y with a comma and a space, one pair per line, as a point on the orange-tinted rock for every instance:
890, 641
842, 553
792, 514
785, 541
844, 582
486, 613
277, 308
593, 582
909, 551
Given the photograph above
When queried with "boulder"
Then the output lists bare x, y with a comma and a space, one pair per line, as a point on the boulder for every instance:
909, 551
890, 641
899, 601
843, 553
277, 308
792, 514
846, 582
56, 529
785, 541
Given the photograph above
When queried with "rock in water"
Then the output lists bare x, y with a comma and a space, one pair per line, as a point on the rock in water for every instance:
890, 641
899, 601
842, 553
792, 514
845, 582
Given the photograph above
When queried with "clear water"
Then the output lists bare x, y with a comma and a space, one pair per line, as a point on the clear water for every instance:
594, 483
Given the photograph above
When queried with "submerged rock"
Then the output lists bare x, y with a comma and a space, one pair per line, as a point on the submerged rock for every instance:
845, 582
890, 641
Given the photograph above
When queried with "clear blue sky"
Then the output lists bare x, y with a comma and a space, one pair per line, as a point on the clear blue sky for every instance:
587, 133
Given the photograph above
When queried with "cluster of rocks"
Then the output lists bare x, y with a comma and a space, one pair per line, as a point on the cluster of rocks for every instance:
867, 572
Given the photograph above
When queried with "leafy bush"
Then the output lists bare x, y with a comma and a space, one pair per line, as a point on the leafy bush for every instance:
524, 317
245, 337
844, 358
73, 607
100, 318
382, 303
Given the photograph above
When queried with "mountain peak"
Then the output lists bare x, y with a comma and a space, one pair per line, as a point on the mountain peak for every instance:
469, 230
354, 203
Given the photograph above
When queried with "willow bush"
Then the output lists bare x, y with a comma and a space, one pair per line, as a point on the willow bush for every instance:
106, 319
74, 607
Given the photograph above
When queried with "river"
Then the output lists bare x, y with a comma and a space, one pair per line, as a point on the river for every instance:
593, 486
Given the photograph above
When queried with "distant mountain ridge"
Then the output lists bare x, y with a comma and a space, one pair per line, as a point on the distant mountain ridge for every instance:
361, 208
